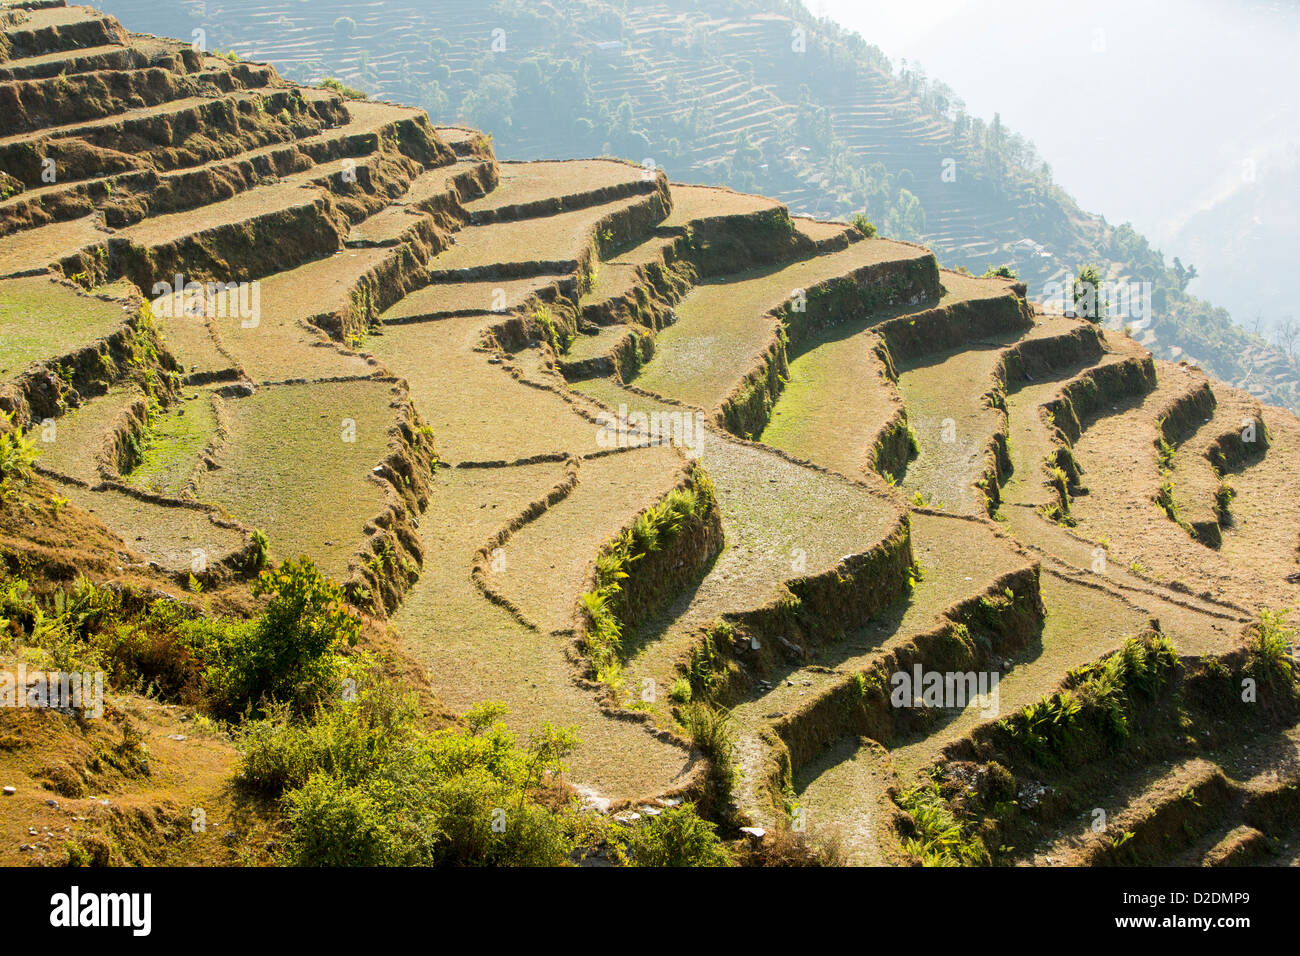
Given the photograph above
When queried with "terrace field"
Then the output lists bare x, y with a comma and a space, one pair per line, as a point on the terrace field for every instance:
616, 452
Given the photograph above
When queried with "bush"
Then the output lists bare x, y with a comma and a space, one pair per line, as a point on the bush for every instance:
365, 785
864, 225
339, 87
680, 691
261, 549
290, 653
677, 837
940, 838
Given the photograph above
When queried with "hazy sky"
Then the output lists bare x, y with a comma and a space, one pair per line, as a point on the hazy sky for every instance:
1146, 109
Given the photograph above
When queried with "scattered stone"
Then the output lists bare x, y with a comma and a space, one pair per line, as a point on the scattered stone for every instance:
755, 833
10, 791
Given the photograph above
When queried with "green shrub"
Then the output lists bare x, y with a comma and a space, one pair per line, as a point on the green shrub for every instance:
940, 838
677, 837
338, 86
365, 785
680, 692
290, 653
261, 549
864, 225
1223, 496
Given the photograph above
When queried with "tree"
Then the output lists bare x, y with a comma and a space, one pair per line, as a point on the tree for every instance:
491, 106
1287, 335
1087, 295
1183, 275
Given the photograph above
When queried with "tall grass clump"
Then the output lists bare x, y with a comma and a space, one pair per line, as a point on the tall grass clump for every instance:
654, 529
714, 734
1094, 709
18, 453
1270, 650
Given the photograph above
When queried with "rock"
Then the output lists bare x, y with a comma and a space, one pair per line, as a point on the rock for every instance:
10, 791
754, 833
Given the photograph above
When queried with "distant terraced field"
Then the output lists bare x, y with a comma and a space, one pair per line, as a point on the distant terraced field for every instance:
468, 387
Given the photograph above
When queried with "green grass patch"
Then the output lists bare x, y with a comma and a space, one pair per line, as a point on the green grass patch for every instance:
41, 320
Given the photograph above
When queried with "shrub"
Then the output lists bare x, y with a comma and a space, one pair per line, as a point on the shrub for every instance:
290, 653
339, 87
680, 691
677, 837
1223, 496
940, 838
864, 225
365, 785
1000, 272
261, 549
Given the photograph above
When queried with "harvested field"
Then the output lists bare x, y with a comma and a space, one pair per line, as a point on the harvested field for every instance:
42, 320
618, 453
269, 471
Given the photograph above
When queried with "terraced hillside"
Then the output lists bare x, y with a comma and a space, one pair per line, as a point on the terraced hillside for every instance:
758, 95
660, 463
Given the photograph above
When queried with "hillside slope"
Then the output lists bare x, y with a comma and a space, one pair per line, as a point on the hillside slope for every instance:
757, 95
693, 452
